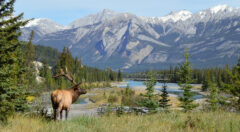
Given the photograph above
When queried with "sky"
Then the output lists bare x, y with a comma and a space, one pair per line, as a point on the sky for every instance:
66, 11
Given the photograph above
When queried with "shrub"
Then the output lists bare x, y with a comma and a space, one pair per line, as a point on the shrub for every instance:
112, 98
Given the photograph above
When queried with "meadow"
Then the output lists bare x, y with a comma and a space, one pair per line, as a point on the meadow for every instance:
173, 121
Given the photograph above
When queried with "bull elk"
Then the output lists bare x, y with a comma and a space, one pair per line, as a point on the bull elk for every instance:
62, 99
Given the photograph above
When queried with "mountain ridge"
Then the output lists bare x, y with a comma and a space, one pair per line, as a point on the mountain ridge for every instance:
129, 42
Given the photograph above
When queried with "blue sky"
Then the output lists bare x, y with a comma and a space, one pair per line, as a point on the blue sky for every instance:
65, 11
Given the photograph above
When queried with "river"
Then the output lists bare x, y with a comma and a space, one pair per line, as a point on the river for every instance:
172, 88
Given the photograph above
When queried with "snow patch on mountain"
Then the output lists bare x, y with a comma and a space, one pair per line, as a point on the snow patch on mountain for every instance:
45, 23
219, 8
177, 16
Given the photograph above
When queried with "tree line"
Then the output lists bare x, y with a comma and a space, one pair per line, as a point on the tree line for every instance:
220, 75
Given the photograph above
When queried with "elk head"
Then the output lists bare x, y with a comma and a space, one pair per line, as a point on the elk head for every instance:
79, 90
76, 86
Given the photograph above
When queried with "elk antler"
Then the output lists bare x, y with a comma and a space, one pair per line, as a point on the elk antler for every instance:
67, 75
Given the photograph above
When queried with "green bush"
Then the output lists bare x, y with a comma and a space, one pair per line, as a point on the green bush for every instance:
151, 104
112, 98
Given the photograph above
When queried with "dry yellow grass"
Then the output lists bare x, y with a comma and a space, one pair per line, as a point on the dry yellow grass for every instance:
98, 96
173, 121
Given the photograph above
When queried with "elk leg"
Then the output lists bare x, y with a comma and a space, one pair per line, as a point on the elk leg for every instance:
55, 114
61, 114
59, 109
66, 116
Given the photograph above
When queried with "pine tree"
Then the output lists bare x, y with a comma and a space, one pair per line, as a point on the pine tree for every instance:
12, 85
85, 73
29, 51
29, 57
150, 85
206, 82
127, 90
119, 75
49, 79
43, 70
46, 73
185, 80
149, 102
213, 98
163, 102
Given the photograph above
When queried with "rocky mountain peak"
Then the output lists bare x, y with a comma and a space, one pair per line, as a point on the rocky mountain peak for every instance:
177, 16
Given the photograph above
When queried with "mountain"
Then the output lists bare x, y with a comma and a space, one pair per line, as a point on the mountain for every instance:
130, 42
41, 27
103, 15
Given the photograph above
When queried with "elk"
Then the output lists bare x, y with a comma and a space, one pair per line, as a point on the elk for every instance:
62, 99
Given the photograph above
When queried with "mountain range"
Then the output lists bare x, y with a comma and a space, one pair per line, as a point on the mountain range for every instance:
136, 43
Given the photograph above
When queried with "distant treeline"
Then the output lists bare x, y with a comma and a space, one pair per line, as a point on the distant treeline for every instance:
218, 75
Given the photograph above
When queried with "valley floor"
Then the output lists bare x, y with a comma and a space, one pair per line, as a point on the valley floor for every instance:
173, 121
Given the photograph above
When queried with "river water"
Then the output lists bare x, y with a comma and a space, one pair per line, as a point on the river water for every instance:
172, 88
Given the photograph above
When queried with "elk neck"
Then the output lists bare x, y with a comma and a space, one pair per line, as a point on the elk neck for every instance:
75, 94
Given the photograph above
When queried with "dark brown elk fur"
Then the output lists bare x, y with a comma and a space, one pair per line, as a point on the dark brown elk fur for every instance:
62, 99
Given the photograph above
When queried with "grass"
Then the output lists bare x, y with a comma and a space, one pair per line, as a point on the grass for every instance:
174, 121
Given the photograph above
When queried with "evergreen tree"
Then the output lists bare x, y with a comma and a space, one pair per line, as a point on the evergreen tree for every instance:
150, 85
46, 73
206, 82
49, 79
29, 51
149, 102
29, 58
163, 102
119, 75
44, 69
185, 80
128, 90
213, 98
12, 85
111, 74
85, 73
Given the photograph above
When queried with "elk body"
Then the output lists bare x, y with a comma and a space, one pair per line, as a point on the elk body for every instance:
62, 99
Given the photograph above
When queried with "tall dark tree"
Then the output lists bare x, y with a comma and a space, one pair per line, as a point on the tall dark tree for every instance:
206, 82
149, 102
185, 81
29, 51
213, 97
12, 87
163, 102
150, 85
43, 70
119, 74
29, 58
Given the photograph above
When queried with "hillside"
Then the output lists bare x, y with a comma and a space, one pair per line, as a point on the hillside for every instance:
50, 54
